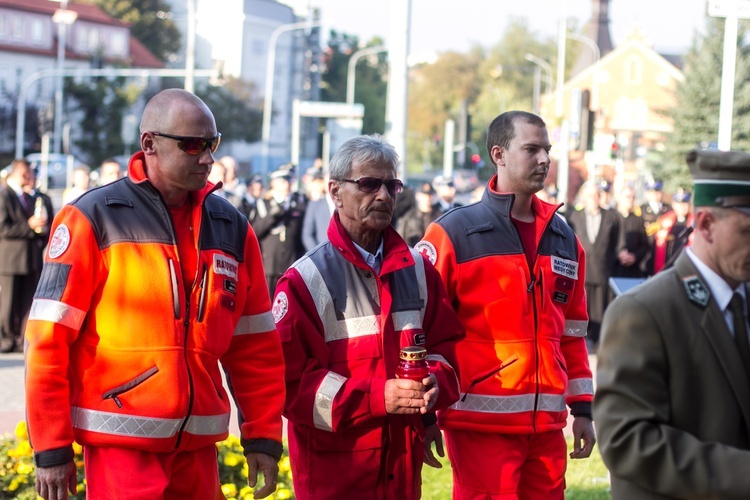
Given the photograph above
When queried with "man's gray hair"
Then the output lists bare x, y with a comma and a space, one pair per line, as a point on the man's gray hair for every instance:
362, 149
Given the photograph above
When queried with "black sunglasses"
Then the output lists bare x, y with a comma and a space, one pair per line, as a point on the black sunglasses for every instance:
371, 185
193, 145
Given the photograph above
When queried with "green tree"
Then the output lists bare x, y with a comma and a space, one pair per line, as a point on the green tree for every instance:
696, 112
236, 108
371, 78
150, 23
101, 104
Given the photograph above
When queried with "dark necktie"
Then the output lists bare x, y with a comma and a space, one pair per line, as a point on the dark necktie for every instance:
28, 202
737, 306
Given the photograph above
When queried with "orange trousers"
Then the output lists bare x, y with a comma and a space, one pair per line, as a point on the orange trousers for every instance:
125, 474
507, 466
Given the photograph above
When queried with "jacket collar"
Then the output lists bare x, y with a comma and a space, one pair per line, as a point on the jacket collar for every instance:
714, 328
396, 253
137, 174
503, 202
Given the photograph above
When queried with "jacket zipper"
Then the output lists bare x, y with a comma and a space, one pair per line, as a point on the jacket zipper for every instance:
484, 376
202, 300
117, 391
175, 289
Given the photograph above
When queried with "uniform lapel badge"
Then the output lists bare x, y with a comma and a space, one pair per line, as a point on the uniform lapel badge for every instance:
696, 290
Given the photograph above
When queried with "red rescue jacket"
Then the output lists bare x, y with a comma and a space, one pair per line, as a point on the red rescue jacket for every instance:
342, 326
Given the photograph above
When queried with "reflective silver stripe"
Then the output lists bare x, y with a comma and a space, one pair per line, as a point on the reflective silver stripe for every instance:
421, 281
124, 425
323, 409
256, 323
207, 425
57, 312
407, 320
320, 294
578, 386
350, 328
575, 328
510, 404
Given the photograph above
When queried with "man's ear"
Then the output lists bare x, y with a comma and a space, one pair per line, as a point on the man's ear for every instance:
497, 154
334, 189
703, 223
147, 143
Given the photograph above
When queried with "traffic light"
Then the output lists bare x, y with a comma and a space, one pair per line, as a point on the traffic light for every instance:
614, 151
476, 160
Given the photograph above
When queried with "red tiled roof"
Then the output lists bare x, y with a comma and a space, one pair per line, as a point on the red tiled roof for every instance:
141, 57
85, 11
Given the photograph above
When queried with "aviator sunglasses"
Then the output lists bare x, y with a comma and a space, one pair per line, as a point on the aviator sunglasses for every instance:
193, 145
371, 185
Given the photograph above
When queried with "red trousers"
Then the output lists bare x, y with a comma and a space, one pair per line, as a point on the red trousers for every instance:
507, 466
125, 474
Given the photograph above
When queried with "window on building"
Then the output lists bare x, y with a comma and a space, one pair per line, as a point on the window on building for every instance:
37, 31
93, 41
16, 27
118, 44
82, 38
634, 71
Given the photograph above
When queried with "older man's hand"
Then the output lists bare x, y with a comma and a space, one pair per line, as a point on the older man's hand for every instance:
51, 482
265, 464
404, 397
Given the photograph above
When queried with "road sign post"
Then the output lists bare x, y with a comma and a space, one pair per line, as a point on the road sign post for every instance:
733, 11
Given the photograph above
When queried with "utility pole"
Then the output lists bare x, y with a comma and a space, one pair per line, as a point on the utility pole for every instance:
398, 80
563, 163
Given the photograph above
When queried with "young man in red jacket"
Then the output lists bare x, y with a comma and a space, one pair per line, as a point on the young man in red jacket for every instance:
148, 284
343, 312
514, 271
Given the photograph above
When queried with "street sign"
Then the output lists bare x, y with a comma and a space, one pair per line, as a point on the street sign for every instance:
727, 8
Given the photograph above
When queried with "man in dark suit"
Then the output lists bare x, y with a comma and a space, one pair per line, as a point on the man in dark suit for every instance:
651, 211
599, 232
277, 221
672, 403
317, 215
24, 230
633, 246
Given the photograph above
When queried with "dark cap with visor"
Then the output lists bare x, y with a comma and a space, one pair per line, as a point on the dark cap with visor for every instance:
720, 178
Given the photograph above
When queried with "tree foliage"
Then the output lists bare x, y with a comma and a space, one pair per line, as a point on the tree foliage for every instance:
696, 113
150, 23
236, 108
100, 104
371, 75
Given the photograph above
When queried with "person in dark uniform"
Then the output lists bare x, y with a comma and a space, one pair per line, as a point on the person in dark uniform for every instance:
599, 232
24, 230
445, 193
413, 224
277, 221
672, 404
633, 246
673, 233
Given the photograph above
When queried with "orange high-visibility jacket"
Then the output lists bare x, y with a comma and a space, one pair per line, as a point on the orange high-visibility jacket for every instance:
524, 356
118, 355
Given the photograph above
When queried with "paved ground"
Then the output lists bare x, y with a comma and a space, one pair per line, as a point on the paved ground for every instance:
12, 400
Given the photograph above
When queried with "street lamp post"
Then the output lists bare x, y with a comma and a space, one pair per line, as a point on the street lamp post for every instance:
62, 17
351, 73
597, 55
270, 69
540, 64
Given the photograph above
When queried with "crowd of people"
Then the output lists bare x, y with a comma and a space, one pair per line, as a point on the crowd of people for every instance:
313, 292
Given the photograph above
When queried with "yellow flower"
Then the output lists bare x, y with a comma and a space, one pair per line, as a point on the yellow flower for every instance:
284, 465
24, 469
77, 448
283, 493
21, 431
232, 459
246, 490
229, 490
13, 486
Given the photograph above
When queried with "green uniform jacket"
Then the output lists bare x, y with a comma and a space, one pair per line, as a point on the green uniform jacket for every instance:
672, 405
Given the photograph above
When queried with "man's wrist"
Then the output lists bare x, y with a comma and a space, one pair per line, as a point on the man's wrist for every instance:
582, 409
52, 458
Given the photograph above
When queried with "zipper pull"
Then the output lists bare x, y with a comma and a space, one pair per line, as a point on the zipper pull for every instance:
114, 398
531, 285
187, 314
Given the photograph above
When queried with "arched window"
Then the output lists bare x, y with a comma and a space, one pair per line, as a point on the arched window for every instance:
634, 71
